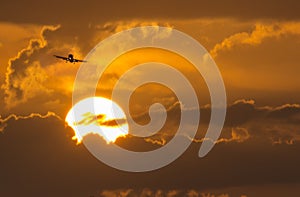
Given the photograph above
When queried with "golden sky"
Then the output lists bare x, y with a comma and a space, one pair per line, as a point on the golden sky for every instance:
256, 46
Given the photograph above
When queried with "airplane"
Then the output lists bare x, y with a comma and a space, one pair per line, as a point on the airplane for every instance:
70, 58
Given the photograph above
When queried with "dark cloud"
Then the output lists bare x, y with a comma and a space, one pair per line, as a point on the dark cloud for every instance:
77, 12
100, 119
38, 154
114, 122
287, 112
244, 120
278, 124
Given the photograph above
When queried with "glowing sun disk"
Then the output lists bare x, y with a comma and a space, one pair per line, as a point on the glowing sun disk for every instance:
97, 115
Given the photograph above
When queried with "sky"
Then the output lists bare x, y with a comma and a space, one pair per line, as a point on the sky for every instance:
255, 45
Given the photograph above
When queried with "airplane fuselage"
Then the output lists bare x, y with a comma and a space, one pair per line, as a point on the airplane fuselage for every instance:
70, 58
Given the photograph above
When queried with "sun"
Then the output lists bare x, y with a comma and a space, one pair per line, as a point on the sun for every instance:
97, 115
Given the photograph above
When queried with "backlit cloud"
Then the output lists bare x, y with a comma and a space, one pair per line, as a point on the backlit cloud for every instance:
4, 121
256, 36
160, 193
24, 77
244, 121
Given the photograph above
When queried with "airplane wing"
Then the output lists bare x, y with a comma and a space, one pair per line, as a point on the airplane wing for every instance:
64, 58
76, 60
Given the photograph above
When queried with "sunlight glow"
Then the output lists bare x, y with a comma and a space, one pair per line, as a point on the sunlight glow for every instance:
97, 115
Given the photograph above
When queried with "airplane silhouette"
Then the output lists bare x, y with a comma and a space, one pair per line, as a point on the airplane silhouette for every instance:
70, 58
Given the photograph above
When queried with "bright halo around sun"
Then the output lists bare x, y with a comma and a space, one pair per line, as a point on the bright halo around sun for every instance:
97, 115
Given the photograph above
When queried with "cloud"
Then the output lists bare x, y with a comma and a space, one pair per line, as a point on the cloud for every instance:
160, 141
24, 77
159, 193
244, 121
37, 82
34, 75
100, 119
116, 193
260, 33
238, 134
4, 121
144, 10
118, 26
106, 29
277, 124
37, 151
114, 122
